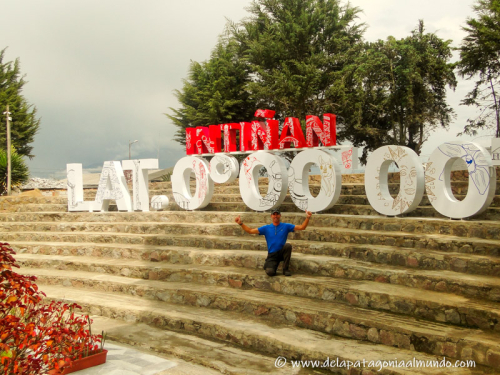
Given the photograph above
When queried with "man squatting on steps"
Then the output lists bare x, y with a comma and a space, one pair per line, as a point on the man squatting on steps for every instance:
276, 234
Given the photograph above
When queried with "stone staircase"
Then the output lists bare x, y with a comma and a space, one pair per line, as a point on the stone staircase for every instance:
364, 287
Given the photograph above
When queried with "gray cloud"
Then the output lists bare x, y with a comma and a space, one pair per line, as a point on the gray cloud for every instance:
102, 73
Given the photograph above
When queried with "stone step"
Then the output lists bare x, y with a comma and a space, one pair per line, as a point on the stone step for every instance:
431, 305
344, 199
328, 317
213, 357
415, 284
250, 333
456, 177
492, 213
434, 241
236, 198
373, 253
475, 286
20, 199
459, 183
461, 228
457, 187
388, 255
35, 207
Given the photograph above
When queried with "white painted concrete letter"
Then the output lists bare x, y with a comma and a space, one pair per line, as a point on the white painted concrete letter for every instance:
112, 186
180, 183
140, 182
249, 181
159, 202
75, 189
298, 180
411, 189
347, 157
482, 179
223, 168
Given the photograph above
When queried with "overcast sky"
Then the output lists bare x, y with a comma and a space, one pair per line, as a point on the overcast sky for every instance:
102, 73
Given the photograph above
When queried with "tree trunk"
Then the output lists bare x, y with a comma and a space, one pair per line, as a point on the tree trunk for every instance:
496, 108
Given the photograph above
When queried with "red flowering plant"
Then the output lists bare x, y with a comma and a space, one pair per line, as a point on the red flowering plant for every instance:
36, 338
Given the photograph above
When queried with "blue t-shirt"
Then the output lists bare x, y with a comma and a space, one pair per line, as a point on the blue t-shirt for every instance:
276, 235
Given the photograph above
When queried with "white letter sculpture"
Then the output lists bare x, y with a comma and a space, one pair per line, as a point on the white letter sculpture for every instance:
180, 183
75, 189
249, 181
112, 186
347, 157
298, 180
223, 169
482, 179
140, 181
411, 173
159, 202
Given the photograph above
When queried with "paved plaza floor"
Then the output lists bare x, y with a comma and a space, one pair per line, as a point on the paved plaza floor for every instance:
125, 360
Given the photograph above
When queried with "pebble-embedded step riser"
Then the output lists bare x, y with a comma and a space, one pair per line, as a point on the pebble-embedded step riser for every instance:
217, 198
491, 213
224, 333
339, 268
235, 244
208, 235
444, 227
399, 251
351, 292
400, 257
338, 321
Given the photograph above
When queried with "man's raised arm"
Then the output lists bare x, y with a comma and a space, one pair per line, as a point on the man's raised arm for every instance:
304, 224
245, 227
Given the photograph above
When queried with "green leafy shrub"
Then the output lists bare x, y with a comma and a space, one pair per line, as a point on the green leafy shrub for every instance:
38, 338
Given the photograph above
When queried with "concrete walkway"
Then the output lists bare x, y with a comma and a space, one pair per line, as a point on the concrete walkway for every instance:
125, 360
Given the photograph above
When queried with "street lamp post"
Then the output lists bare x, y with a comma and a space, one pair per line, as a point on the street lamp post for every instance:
9, 161
130, 145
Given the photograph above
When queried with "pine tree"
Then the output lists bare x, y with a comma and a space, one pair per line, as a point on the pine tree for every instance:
214, 92
24, 124
302, 57
295, 49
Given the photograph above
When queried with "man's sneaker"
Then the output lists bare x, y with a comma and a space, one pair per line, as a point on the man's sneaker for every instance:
287, 273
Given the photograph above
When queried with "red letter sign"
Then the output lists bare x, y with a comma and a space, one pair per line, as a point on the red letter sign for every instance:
230, 144
264, 113
203, 140
245, 136
292, 132
325, 132
264, 137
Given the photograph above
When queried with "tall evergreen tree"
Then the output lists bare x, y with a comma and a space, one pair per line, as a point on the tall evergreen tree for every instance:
214, 92
480, 58
395, 92
302, 57
294, 49
24, 124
